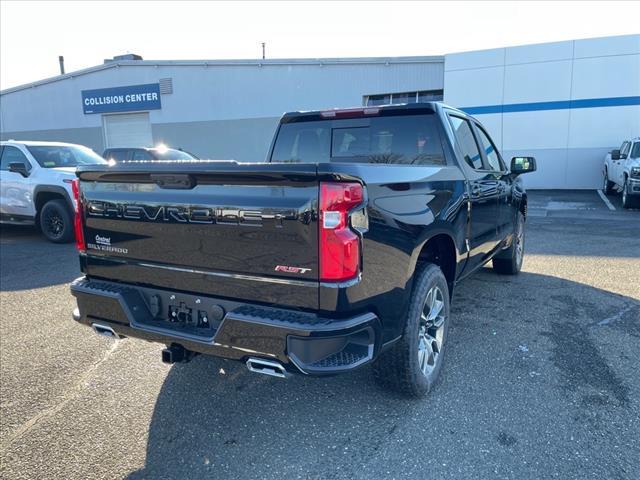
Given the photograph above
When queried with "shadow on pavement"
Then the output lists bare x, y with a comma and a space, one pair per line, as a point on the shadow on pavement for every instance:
29, 261
239, 425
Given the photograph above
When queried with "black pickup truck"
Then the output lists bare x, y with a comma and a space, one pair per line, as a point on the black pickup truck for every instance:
343, 249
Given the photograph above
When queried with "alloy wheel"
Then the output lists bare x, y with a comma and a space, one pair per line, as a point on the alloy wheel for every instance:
431, 331
54, 224
519, 241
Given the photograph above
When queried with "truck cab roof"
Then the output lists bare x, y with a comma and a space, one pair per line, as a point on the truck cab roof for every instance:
365, 111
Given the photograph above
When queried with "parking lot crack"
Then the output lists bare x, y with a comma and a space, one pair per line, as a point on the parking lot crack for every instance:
618, 316
581, 364
73, 392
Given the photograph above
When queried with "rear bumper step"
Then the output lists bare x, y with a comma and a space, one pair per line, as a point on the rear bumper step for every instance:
296, 341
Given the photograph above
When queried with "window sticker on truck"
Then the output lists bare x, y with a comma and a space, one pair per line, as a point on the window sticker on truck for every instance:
103, 240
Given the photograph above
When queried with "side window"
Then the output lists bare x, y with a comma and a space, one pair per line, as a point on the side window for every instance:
467, 142
490, 150
625, 148
12, 155
141, 155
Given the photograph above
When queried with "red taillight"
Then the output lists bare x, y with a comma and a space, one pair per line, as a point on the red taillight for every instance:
77, 220
339, 245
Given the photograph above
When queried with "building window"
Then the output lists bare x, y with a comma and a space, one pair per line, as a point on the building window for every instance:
403, 97
377, 100
431, 96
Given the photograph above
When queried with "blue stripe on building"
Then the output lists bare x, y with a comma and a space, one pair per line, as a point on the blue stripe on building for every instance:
557, 105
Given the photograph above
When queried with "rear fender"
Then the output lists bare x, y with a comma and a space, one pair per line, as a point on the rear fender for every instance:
432, 232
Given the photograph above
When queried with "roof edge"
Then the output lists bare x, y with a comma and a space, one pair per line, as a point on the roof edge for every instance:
233, 62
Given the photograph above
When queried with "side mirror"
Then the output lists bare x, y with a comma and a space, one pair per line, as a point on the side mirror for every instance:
521, 165
615, 154
19, 167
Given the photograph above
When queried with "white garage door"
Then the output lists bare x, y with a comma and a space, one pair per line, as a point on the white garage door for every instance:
130, 130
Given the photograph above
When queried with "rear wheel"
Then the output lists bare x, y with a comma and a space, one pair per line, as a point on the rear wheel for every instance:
509, 262
56, 221
413, 364
607, 186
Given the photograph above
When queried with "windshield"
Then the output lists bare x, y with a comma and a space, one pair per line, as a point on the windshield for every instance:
172, 154
64, 156
406, 139
635, 152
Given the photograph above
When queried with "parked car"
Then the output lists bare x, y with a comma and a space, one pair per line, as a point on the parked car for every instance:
622, 172
142, 153
35, 184
342, 250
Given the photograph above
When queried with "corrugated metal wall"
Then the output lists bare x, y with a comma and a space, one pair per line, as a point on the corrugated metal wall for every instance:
216, 92
549, 101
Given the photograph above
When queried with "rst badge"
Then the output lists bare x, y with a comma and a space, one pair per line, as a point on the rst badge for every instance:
287, 269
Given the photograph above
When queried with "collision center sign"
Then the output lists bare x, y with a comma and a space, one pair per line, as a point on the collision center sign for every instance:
122, 99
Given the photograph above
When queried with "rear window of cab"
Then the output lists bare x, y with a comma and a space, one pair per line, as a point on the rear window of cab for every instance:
402, 140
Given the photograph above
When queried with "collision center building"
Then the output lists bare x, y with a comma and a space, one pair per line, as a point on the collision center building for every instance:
566, 103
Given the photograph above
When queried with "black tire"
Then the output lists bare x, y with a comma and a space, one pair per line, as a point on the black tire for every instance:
56, 222
628, 201
509, 262
400, 368
607, 186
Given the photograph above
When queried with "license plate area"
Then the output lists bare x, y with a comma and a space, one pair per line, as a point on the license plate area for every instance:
184, 314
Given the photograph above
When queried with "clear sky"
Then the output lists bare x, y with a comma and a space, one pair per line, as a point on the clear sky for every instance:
33, 34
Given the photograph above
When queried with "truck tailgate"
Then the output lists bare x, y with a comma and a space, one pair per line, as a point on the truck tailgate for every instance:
242, 231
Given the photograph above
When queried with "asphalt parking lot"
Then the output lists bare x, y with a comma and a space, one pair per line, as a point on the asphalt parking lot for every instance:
568, 204
541, 379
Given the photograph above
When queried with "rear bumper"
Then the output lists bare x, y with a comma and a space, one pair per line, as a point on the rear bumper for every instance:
302, 342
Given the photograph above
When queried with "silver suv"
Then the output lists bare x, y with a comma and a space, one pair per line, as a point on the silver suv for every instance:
35, 184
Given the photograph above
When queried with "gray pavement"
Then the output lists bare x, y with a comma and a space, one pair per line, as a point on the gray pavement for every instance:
540, 381
592, 204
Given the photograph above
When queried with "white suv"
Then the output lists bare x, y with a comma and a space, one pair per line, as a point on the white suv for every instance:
622, 171
35, 184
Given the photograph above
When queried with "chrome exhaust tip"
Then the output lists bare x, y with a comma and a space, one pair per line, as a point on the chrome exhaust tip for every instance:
104, 330
266, 367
